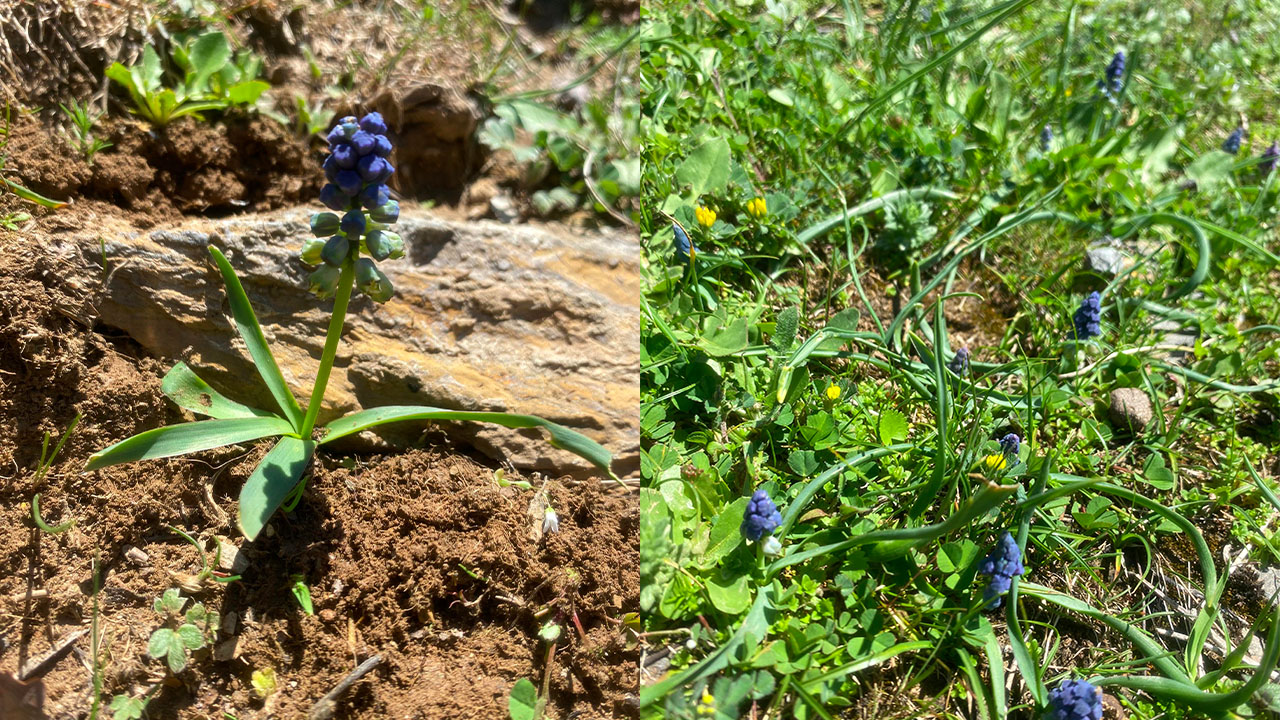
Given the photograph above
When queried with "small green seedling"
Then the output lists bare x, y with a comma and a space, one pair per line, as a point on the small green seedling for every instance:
81, 136
183, 632
42, 469
264, 682
523, 704
125, 707
302, 593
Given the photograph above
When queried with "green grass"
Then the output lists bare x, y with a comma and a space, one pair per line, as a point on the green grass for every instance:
911, 211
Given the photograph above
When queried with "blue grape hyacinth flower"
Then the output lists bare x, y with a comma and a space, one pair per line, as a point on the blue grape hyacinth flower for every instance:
960, 362
1010, 444
1074, 700
761, 517
1088, 317
357, 170
1232, 143
1004, 562
1269, 158
1115, 75
684, 246
1046, 138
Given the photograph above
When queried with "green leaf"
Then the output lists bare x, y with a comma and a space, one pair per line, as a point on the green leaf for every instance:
1210, 169
170, 602
1156, 474
32, 196
729, 595
209, 54
166, 643
124, 707
893, 426
247, 324
302, 593
187, 390
725, 534
247, 92
191, 637
561, 437
707, 167
187, 438
523, 703
147, 74
782, 97
724, 336
271, 482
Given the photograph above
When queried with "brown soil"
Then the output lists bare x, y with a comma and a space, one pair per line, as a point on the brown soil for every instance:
188, 167
418, 557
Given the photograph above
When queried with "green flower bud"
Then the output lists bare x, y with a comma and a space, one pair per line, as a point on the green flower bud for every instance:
324, 281
383, 244
372, 281
324, 224
387, 213
311, 249
336, 250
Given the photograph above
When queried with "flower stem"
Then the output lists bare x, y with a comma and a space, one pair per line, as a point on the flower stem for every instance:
345, 280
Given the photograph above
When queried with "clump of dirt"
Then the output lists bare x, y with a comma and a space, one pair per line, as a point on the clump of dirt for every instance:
189, 166
418, 557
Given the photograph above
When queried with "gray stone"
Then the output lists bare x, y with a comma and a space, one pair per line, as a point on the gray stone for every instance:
1130, 409
515, 318
1105, 260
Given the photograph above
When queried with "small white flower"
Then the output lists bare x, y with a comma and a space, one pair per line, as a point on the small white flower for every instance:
550, 522
772, 547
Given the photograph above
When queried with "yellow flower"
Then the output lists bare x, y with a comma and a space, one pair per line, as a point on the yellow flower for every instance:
994, 462
1067, 92
707, 705
706, 216
833, 392
757, 208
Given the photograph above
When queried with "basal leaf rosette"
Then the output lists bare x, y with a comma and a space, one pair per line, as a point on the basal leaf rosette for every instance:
358, 230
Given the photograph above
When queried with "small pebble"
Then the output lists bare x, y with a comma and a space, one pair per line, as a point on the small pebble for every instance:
1130, 409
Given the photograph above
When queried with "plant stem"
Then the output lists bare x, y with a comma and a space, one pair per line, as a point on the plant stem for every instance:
345, 280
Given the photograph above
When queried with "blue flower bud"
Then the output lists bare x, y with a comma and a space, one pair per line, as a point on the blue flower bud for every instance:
324, 224
363, 142
772, 546
336, 250
374, 196
1269, 157
381, 145
387, 213
1010, 444
374, 169
1232, 143
333, 198
960, 363
1004, 562
383, 244
684, 246
353, 224
372, 281
347, 120
1074, 700
324, 281
340, 133
1046, 138
1088, 317
311, 251
331, 168
1115, 72
373, 124
348, 181
761, 517
344, 156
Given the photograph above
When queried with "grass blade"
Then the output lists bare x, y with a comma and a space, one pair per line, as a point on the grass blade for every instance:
34, 197
187, 390
187, 438
247, 324
561, 437
271, 482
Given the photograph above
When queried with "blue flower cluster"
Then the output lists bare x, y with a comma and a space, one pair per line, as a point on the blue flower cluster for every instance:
1269, 158
357, 170
1074, 700
1046, 138
1002, 565
960, 362
1115, 76
684, 246
1088, 317
1232, 143
761, 518
1010, 444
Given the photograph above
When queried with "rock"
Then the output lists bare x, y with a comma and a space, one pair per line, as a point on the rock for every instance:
522, 318
1104, 260
433, 128
1130, 409
135, 555
504, 208
230, 558
1112, 709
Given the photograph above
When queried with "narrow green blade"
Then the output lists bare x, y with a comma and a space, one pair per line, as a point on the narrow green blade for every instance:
561, 437
187, 390
188, 438
271, 481
247, 324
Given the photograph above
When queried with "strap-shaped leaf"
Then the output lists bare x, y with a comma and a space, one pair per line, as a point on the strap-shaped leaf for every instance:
561, 437
188, 438
271, 482
187, 390
247, 324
